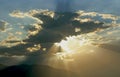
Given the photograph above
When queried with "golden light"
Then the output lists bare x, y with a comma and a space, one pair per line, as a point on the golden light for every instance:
72, 43
68, 51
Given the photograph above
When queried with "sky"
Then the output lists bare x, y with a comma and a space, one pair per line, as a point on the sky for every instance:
70, 34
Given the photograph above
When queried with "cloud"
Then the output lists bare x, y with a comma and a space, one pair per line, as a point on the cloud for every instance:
17, 14
64, 24
111, 47
34, 48
35, 29
51, 27
3, 25
8, 59
109, 16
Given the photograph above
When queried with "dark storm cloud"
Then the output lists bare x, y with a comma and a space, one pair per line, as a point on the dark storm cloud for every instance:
62, 25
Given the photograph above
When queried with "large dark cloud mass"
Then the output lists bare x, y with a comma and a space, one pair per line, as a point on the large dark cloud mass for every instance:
56, 29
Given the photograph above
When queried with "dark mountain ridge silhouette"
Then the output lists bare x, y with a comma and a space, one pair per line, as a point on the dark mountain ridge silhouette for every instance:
2, 66
35, 71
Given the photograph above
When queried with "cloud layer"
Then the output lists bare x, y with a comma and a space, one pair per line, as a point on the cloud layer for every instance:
51, 27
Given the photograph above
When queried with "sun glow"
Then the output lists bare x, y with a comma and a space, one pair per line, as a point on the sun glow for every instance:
69, 48
71, 45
